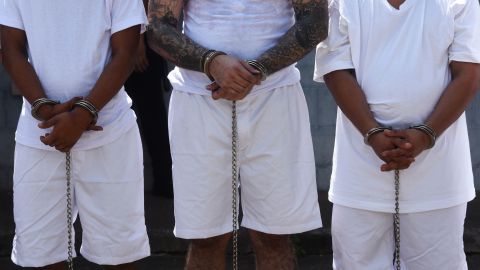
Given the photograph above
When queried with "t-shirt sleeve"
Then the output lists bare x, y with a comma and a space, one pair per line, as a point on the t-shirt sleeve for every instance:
334, 53
10, 14
466, 41
127, 13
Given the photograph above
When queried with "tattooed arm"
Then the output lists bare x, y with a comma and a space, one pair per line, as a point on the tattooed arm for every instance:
311, 28
165, 38
234, 77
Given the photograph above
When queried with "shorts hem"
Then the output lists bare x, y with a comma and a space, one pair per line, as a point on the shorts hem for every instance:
39, 263
279, 230
410, 207
116, 260
201, 234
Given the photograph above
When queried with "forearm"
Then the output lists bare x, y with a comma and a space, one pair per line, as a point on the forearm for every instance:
350, 99
311, 27
165, 39
111, 80
23, 75
456, 97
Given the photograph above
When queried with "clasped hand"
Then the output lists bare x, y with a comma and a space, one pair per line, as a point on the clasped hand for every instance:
234, 78
68, 124
398, 148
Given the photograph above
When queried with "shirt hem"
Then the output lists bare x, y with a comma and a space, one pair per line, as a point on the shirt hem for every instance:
320, 72
12, 23
405, 207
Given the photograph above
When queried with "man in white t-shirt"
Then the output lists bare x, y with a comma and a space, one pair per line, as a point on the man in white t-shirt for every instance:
274, 150
412, 67
69, 59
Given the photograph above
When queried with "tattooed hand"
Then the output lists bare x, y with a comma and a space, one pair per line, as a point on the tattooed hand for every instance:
234, 78
311, 28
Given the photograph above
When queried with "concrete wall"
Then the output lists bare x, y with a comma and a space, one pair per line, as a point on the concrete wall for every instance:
322, 117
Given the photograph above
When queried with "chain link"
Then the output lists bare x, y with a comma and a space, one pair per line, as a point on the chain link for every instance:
69, 212
234, 187
396, 220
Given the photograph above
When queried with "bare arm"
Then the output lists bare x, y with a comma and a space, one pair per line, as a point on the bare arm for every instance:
453, 102
311, 27
166, 39
351, 100
458, 94
14, 46
234, 78
124, 45
69, 126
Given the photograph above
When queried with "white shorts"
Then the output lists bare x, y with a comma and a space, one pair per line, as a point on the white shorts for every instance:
107, 188
363, 240
275, 159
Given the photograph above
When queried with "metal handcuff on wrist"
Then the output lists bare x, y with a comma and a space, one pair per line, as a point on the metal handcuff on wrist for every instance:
396, 216
205, 62
87, 105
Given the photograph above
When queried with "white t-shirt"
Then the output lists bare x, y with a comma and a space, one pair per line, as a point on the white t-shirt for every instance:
241, 28
69, 47
401, 59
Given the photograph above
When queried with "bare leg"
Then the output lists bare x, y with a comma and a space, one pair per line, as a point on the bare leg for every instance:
273, 252
207, 254
57, 266
127, 266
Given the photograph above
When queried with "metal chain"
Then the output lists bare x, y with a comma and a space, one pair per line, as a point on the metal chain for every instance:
234, 187
396, 220
69, 212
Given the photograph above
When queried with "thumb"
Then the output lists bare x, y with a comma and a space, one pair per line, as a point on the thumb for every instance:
250, 68
395, 133
67, 106
47, 124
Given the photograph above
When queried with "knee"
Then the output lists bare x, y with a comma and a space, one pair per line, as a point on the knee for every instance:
263, 241
212, 243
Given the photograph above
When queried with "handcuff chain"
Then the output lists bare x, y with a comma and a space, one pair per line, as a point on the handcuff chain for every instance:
396, 220
234, 187
69, 212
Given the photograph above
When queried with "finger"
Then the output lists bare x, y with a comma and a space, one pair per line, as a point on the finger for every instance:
66, 106
390, 166
213, 86
62, 148
218, 94
395, 133
396, 153
403, 144
49, 139
94, 128
47, 124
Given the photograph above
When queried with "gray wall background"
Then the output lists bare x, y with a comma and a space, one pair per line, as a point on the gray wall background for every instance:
322, 117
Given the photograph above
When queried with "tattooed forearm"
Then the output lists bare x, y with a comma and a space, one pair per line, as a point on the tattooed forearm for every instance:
165, 38
311, 28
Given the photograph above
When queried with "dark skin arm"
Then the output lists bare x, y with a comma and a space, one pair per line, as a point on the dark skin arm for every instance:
14, 45
351, 100
234, 77
69, 126
141, 61
453, 102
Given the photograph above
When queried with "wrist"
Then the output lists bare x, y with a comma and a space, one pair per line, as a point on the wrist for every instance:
39, 105
45, 112
209, 61
82, 117
429, 134
372, 132
87, 108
